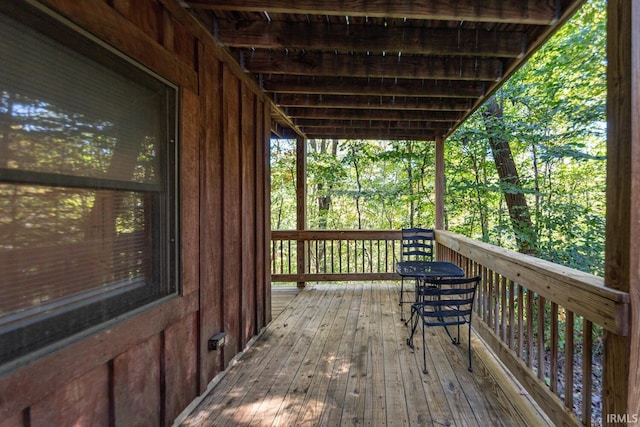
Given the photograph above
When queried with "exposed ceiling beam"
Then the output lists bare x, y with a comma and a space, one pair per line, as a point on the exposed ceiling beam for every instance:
540, 12
285, 134
371, 38
368, 133
307, 124
355, 114
361, 86
383, 69
363, 65
372, 102
280, 130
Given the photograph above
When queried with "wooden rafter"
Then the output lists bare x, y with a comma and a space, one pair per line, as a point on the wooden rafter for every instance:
363, 86
379, 60
367, 65
540, 12
373, 39
368, 133
373, 123
357, 114
380, 102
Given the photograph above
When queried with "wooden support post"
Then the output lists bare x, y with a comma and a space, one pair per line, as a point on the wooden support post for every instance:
621, 387
439, 225
301, 201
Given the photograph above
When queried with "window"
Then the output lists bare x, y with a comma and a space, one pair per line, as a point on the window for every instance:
88, 183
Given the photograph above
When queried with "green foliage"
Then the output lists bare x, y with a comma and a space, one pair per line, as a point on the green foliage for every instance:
283, 184
554, 120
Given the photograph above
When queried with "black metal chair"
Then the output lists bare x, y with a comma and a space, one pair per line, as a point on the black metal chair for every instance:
417, 245
444, 302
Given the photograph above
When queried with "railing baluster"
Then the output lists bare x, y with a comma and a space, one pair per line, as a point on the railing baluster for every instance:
553, 357
372, 256
490, 300
386, 256
480, 291
489, 296
497, 300
333, 262
520, 321
512, 308
483, 291
568, 360
540, 346
529, 329
503, 307
324, 256
587, 371
273, 257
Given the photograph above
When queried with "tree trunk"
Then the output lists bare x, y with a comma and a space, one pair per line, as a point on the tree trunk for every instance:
359, 184
324, 197
509, 178
412, 207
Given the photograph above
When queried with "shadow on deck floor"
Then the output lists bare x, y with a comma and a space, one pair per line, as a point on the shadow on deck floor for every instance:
337, 355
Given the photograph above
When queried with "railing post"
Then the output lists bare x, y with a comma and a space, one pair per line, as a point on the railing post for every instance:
621, 376
301, 203
439, 178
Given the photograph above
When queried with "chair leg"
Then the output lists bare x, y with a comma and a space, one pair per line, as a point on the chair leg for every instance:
453, 340
414, 325
424, 351
400, 300
469, 347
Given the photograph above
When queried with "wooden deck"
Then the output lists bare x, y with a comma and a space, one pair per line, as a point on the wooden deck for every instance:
281, 297
337, 355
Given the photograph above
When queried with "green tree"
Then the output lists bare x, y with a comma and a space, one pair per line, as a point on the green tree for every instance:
554, 120
325, 173
283, 187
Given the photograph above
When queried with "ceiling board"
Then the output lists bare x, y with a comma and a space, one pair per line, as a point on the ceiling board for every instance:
406, 69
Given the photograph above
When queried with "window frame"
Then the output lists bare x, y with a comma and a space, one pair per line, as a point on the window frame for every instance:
55, 328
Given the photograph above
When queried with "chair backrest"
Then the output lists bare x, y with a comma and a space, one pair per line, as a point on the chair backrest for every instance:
448, 301
417, 244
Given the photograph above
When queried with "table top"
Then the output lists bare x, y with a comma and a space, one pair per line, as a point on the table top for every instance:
428, 269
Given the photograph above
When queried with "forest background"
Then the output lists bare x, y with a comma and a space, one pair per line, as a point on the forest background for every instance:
548, 121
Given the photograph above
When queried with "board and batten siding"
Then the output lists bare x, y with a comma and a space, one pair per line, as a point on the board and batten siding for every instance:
145, 370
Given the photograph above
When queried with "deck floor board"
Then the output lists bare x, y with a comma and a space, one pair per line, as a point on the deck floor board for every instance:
336, 355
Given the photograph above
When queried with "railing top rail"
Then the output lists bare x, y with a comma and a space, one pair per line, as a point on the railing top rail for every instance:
336, 234
575, 290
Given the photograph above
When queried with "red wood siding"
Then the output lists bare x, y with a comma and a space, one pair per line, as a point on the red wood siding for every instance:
266, 214
136, 384
232, 208
211, 248
82, 402
145, 370
248, 170
262, 266
180, 365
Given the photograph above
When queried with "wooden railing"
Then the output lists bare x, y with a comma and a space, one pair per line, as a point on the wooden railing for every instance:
330, 255
545, 322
